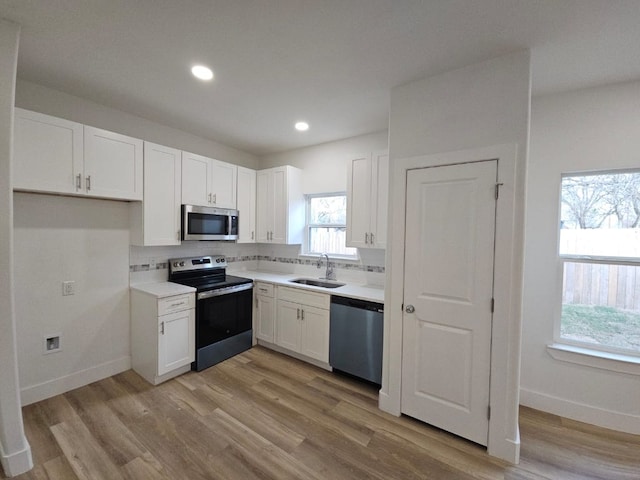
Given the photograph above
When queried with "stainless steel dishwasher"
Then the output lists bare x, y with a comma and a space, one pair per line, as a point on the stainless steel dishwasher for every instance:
355, 337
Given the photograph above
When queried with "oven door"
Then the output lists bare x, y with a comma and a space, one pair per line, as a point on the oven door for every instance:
223, 313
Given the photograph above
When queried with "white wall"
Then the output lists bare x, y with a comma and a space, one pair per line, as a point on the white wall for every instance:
324, 166
591, 129
483, 105
15, 453
83, 240
53, 102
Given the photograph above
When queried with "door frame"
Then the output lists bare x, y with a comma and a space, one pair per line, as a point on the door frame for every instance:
503, 435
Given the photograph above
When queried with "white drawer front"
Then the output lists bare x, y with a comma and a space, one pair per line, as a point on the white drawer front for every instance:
304, 297
176, 303
264, 289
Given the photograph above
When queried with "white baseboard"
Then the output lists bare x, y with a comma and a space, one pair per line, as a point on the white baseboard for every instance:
18, 462
506, 449
59, 385
581, 412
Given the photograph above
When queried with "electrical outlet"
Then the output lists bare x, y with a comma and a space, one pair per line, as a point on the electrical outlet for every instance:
52, 343
152, 264
68, 287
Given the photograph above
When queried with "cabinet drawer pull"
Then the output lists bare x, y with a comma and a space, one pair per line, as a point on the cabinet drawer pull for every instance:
366, 238
162, 328
88, 182
78, 182
302, 314
371, 238
214, 198
297, 314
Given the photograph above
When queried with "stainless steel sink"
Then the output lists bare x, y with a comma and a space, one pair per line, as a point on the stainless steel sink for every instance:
317, 283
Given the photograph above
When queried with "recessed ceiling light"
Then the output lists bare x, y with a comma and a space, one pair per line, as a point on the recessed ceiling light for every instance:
302, 126
202, 72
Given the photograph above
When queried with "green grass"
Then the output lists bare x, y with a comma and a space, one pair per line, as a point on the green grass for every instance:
601, 325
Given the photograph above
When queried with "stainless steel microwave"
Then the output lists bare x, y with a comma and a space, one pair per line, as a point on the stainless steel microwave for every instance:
208, 223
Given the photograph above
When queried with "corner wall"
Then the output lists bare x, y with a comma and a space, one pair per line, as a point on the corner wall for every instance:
15, 452
485, 105
579, 131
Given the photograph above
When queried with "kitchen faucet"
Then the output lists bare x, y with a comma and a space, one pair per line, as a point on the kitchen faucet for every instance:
329, 274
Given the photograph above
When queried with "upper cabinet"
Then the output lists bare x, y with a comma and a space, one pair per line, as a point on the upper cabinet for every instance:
58, 156
367, 201
208, 182
280, 205
156, 221
246, 192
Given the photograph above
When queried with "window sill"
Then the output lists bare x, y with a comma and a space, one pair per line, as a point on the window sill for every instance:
613, 362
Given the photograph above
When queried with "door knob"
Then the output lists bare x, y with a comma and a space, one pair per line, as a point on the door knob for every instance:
409, 309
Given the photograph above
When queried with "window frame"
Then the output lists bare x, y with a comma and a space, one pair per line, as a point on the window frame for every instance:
564, 348
305, 249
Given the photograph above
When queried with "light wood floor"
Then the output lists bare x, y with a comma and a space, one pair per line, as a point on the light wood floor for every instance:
262, 415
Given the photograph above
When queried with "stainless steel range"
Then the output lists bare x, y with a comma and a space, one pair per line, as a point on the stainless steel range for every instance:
223, 307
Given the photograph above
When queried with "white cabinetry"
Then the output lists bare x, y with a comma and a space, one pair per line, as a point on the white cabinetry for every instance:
265, 311
246, 193
208, 182
156, 221
58, 156
302, 322
162, 331
280, 206
367, 201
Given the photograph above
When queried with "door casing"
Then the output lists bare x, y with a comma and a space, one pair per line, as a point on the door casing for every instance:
504, 436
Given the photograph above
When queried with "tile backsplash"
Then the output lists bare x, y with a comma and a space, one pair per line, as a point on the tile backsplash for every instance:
150, 264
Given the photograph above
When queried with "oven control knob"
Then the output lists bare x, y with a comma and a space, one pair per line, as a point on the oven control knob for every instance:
182, 264
175, 264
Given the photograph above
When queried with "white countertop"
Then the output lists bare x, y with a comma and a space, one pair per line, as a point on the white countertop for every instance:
373, 293
163, 289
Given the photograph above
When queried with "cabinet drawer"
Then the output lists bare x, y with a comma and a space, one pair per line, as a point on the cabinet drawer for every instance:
176, 303
264, 289
304, 297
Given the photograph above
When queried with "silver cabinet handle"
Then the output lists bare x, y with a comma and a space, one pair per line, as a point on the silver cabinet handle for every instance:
88, 182
162, 328
251, 234
366, 238
297, 314
214, 198
78, 182
302, 314
209, 201
409, 309
371, 238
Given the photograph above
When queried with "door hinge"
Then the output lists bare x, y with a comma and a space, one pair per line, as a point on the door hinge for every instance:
493, 305
498, 185
489, 412
402, 307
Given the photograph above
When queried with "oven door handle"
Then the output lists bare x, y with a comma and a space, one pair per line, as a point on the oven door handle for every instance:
224, 291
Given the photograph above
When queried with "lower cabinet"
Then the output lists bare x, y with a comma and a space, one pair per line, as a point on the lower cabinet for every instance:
162, 333
302, 322
265, 311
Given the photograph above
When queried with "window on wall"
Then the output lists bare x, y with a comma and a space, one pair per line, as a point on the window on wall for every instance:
600, 256
326, 230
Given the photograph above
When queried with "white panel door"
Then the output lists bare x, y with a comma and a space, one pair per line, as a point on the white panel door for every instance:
223, 184
246, 195
449, 250
265, 318
288, 325
314, 341
48, 153
113, 164
176, 340
264, 206
280, 206
162, 195
196, 179
359, 202
380, 202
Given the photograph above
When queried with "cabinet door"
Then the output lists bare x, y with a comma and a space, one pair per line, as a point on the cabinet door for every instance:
380, 200
288, 325
314, 340
223, 184
359, 202
264, 206
48, 153
265, 318
162, 195
196, 175
176, 340
112, 165
280, 206
246, 195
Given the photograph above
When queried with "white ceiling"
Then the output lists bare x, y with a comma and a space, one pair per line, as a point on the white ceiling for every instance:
330, 62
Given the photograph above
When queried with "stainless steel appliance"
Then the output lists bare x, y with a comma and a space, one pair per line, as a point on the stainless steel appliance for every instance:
355, 337
224, 306
208, 223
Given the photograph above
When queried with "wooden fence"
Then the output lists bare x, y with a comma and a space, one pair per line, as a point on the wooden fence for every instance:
601, 284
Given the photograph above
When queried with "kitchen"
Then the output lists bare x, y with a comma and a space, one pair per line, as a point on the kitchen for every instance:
86, 240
